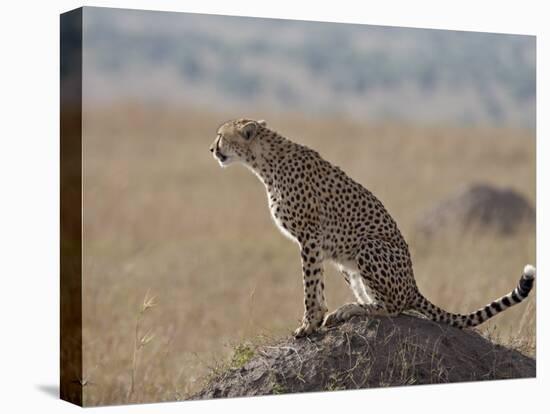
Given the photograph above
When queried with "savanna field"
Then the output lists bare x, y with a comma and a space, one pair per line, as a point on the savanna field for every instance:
182, 262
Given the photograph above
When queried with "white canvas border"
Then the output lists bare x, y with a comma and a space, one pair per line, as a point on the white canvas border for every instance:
30, 203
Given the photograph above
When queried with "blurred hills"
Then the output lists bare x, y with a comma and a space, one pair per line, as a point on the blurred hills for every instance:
361, 71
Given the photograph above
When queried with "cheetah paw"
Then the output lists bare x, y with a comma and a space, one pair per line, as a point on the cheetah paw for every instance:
303, 330
306, 329
343, 313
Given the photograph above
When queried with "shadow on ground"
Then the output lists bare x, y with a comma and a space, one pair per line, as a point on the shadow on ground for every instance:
49, 389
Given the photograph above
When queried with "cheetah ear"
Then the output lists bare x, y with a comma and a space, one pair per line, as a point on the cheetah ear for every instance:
261, 122
249, 130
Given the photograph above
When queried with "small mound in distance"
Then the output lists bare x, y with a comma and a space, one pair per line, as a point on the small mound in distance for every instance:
480, 207
368, 353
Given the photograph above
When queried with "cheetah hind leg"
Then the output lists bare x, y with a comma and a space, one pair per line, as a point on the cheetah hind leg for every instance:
365, 304
349, 310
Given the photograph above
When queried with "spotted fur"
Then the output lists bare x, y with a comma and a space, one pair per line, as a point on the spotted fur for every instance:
333, 218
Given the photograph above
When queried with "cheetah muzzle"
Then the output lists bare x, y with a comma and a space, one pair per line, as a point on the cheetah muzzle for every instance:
333, 218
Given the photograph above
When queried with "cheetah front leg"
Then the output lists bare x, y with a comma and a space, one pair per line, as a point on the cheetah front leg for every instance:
314, 286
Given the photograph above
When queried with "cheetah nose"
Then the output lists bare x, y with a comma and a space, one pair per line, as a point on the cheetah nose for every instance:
211, 148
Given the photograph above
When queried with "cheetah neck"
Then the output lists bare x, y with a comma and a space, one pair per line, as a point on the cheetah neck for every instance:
267, 155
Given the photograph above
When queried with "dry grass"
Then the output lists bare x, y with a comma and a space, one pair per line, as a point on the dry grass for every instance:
369, 353
161, 216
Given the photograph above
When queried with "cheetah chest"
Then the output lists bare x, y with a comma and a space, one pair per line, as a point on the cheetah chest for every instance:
274, 208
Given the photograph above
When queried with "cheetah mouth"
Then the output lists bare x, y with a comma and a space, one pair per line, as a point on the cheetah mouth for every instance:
221, 156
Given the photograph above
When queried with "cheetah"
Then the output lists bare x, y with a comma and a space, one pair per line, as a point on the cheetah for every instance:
335, 219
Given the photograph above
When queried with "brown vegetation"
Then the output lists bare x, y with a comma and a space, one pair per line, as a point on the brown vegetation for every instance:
161, 216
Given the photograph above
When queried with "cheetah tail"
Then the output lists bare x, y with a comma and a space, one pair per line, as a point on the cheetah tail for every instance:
425, 307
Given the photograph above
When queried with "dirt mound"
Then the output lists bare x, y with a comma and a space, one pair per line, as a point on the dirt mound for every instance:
364, 353
483, 207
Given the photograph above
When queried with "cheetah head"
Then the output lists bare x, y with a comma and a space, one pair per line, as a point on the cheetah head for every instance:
235, 140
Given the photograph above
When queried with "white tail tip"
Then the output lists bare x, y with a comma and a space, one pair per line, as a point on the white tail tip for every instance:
529, 271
